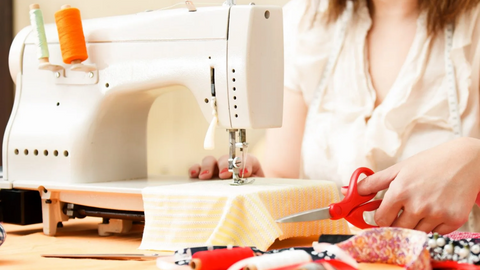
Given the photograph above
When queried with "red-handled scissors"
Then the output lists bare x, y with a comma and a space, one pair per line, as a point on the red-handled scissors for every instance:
351, 207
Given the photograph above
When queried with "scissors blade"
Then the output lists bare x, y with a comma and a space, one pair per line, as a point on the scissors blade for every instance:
310, 215
137, 257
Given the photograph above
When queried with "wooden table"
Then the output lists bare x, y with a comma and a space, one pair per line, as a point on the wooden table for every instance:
24, 246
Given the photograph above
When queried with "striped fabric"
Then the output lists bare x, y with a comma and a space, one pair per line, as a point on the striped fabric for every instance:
216, 213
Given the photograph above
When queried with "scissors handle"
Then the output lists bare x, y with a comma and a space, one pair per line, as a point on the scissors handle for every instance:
352, 199
356, 216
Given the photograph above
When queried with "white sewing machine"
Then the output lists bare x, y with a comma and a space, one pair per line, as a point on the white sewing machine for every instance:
79, 137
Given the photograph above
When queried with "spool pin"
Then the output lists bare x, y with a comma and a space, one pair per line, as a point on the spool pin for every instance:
36, 20
76, 51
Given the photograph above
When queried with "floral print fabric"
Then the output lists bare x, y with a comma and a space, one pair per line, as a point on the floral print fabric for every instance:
390, 245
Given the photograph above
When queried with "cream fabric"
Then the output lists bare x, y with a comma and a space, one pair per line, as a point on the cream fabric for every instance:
216, 213
413, 117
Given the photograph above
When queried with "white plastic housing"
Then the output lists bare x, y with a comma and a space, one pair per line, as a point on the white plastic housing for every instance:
79, 129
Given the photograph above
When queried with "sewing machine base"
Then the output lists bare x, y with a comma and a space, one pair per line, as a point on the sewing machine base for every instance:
21, 207
118, 195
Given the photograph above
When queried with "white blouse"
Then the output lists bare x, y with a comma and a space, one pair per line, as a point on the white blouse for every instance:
415, 114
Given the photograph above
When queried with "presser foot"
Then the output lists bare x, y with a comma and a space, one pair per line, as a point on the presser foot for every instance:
238, 180
236, 163
242, 181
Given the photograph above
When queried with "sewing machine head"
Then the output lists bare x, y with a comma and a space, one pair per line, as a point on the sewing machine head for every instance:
88, 123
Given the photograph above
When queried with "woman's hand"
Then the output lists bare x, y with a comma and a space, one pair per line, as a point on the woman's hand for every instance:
436, 189
213, 168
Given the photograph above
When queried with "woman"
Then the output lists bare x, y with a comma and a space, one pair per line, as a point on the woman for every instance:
390, 85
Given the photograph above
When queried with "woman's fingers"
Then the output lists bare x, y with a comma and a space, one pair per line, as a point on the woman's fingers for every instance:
256, 167
407, 220
224, 173
445, 228
245, 166
194, 171
388, 211
209, 168
378, 181
251, 168
427, 225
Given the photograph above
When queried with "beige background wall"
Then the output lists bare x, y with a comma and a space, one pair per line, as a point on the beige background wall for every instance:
176, 126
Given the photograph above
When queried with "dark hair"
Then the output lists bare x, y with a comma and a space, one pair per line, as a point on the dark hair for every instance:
439, 12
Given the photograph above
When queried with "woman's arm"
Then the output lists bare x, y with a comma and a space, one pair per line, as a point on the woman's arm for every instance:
283, 145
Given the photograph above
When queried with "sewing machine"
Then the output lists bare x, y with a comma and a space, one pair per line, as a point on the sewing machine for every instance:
78, 136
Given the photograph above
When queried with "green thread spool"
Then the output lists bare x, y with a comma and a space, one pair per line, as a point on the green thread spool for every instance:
36, 20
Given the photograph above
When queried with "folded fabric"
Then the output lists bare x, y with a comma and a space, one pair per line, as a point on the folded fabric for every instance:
217, 213
390, 245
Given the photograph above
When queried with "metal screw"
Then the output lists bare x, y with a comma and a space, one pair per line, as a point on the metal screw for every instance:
90, 74
57, 74
48, 201
236, 162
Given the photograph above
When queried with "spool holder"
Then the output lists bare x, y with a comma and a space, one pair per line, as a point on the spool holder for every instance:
77, 65
73, 77
44, 64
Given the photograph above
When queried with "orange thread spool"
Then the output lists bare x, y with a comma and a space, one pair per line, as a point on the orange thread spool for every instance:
70, 35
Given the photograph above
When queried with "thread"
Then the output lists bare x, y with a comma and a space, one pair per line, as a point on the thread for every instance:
38, 27
219, 259
70, 35
277, 260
